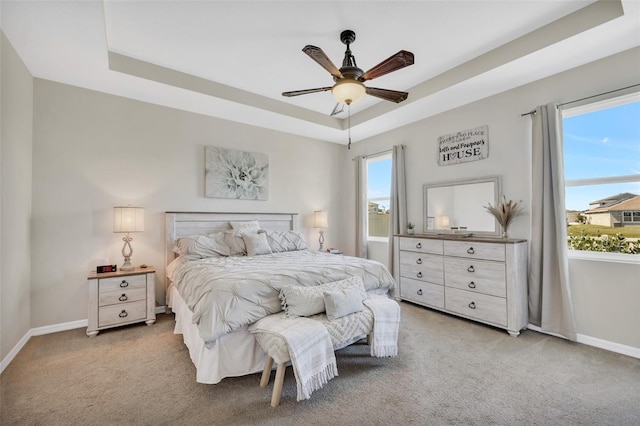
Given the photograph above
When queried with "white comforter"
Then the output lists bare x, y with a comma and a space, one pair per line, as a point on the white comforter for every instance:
228, 293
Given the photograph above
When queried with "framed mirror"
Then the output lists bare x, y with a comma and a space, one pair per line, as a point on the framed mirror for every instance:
458, 206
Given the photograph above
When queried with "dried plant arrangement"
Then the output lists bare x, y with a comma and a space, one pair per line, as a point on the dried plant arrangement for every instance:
504, 212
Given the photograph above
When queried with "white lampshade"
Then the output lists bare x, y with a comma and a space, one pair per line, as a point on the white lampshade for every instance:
348, 91
128, 219
320, 219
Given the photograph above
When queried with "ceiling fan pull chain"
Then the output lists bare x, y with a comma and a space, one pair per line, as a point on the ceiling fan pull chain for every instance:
349, 124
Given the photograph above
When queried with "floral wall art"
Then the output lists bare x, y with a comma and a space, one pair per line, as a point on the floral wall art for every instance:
230, 173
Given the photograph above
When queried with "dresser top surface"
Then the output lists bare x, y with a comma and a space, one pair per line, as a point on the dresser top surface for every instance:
460, 237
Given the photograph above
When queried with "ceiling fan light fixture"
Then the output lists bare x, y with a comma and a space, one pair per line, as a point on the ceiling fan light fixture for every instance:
348, 91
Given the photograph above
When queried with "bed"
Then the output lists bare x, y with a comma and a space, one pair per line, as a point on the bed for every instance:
216, 292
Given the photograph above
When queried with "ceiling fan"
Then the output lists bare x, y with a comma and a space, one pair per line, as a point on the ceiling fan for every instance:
349, 87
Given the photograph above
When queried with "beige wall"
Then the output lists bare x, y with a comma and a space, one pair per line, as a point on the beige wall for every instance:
510, 157
15, 249
94, 151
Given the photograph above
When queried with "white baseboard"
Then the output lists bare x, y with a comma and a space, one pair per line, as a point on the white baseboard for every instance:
610, 346
598, 343
13, 352
48, 329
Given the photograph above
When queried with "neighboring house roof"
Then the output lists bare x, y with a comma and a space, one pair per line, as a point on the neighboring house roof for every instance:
609, 201
625, 205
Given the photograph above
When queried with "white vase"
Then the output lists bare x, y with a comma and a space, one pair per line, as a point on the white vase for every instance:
410, 231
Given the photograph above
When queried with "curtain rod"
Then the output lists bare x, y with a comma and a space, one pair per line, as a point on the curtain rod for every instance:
377, 153
599, 94
585, 98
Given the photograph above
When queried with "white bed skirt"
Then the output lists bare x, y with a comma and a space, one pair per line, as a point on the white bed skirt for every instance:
234, 354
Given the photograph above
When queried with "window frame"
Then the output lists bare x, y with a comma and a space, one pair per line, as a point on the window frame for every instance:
584, 106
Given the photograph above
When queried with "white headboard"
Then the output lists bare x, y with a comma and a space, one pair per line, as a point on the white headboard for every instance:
180, 224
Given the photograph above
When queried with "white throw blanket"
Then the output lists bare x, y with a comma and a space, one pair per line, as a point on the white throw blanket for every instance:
386, 324
310, 349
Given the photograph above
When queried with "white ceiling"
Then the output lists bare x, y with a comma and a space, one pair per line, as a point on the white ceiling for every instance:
233, 59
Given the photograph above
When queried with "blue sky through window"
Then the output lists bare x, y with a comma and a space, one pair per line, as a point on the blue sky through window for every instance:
379, 180
601, 143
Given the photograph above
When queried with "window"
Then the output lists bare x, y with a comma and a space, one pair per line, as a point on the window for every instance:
378, 196
601, 143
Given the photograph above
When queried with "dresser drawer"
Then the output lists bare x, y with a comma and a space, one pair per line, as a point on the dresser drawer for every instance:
480, 276
122, 313
483, 307
122, 283
474, 250
424, 267
422, 293
114, 296
421, 245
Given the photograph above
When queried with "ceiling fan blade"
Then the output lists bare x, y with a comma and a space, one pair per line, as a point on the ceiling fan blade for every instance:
387, 95
321, 58
304, 92
394, 62
335, 109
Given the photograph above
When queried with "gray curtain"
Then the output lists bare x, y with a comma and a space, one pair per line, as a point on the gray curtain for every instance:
550, 305
361, 206
398, 201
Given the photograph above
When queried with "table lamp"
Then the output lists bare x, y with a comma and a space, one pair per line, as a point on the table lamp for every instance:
320, 221
128, 219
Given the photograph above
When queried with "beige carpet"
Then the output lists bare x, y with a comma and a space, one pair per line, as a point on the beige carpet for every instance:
449, 371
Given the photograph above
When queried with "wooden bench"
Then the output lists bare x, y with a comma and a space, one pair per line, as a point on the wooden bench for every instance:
342, 331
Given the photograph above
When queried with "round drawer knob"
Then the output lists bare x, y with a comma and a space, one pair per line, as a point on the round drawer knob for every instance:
124, 284
419, 275
419, 261
123, 297
470, 250
419, 245
419, 292
472, 285
123, 314
471, 269
472, 305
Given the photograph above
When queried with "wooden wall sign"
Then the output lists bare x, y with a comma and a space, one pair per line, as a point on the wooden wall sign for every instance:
463, 146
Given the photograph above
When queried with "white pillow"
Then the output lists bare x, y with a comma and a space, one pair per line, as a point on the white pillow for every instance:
299, 301
201, 246
340, 303
281, 241
256, 244
249, 225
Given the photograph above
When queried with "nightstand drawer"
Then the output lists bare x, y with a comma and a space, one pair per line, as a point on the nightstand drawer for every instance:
122, 313
112, 297
422, 293
483, 307
123, 283
475, 250
480, 276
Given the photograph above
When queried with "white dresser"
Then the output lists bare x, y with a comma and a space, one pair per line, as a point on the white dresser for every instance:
119, 298
482, 279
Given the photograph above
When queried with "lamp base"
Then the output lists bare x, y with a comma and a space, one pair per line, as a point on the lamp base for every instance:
127, 266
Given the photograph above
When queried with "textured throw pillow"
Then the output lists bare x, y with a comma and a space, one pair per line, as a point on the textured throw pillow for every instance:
248, 225
298, 301
256, 244
340, 303
233, 240
281, 241
201, 246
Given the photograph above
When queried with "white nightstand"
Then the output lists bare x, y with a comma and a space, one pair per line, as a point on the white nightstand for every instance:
119, 298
